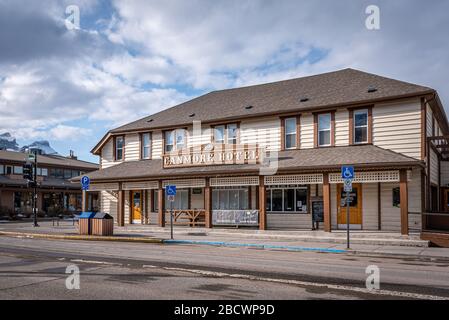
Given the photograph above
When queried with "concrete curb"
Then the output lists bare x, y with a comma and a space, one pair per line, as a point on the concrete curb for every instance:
80, 237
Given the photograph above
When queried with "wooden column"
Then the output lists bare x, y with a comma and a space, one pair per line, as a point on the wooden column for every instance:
262, 200
145, 207
84, 201
161, 205
403, 191
327, 203
121, 208
379, 206
208, 204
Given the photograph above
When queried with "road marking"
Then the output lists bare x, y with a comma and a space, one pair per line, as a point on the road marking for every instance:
407, 295
96, 262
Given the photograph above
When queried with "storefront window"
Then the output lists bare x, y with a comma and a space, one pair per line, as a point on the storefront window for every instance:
2, 169
396, 198
23, 202
18, 170
230, 199
181, 200
288, 200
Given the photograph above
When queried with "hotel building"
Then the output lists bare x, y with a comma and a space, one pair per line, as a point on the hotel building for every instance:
269, 156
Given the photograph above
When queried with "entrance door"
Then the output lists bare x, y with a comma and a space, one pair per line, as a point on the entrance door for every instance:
355, 207
446, 200
136, 207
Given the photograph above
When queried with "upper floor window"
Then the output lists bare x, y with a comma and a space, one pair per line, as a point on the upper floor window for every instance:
2, 169
360, 126
18, 170
175, 140
226, 133
324, 129
119, 146
290, 133
146, 146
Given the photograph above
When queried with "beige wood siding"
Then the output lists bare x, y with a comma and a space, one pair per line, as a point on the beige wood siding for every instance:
266, 132
433, 167
444, 173
156, 152
200, 138
391, 216
289, 221
127, 209
108, 203
397, 126
306, 128
107, 155
197, 200
333, 195
342, 128
132, 147
370, 218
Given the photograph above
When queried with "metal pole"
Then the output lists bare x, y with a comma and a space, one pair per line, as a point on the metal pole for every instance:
171, 220
35, 224
347, 219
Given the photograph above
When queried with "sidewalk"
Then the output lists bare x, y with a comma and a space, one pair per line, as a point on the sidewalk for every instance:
389, 244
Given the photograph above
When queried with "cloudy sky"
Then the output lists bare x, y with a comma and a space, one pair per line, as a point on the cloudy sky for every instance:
129, 59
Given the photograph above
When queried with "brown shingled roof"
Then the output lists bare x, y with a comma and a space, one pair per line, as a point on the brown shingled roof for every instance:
13, 156
343, 87
366, 156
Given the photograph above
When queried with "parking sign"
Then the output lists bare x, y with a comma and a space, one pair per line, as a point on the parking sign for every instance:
347, 172
171, 190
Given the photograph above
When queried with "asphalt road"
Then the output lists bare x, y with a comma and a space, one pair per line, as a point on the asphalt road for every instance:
35, 269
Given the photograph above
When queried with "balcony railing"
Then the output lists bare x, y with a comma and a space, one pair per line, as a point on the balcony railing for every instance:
188, 217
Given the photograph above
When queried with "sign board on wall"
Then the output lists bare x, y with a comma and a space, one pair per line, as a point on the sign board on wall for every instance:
214, 155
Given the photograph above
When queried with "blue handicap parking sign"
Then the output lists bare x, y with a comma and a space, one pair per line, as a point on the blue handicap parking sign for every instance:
85, 181
171, 190
347, 172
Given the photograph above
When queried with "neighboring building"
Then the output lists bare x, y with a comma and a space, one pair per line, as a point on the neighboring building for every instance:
312, 126
56, 194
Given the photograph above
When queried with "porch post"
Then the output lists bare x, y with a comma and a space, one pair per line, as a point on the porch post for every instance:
208, 204
84, 201
161, 205
403, 191
121, 207
326, 203
262, 212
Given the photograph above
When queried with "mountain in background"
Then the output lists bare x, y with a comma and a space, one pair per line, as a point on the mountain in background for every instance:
8, 142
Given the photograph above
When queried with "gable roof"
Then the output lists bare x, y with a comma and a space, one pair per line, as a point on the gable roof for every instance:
314, 159
14, 156
339, 88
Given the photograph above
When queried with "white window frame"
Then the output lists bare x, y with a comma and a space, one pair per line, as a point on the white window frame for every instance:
356, 112
216, 195
227, 139
117, 148
174, 135
146, 147
286, 133
324, 130
222, 129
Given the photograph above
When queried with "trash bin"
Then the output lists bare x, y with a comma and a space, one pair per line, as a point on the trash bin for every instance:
102, 224
85, 222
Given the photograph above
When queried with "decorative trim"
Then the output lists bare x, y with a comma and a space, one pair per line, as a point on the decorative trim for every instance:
185, 183
104, 187
234, 181
145, 185
367, 177
294, 179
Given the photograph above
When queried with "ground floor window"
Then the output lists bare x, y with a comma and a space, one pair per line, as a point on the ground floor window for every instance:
73, 202
23, 202
53, 203
230, 198
181, 200
286, 199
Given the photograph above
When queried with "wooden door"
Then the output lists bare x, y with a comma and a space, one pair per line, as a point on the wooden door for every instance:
136, 205
355, 208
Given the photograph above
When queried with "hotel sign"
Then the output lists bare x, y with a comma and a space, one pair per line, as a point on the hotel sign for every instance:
214, 155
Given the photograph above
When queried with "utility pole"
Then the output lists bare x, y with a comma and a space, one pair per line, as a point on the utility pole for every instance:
35, 224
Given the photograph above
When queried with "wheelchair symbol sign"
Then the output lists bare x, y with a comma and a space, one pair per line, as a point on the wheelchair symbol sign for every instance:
171, 190
347, 173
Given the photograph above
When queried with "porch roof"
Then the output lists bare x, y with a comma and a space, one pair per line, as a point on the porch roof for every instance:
45, 184
305, 160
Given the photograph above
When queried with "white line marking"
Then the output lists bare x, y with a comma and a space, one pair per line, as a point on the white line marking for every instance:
406, 295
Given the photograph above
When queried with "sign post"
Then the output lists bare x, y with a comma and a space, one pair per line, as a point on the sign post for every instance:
33, 157
171, 193
85, 181
347, 173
